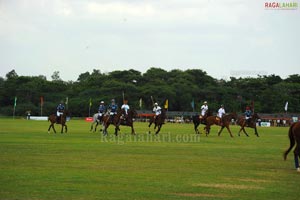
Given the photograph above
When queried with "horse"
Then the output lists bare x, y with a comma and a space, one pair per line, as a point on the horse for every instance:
120, 119
251, 124
224, 122
158, 121
61, 120
96, 121
197, 121
294, 136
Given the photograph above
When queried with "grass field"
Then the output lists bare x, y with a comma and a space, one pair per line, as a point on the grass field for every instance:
174, 165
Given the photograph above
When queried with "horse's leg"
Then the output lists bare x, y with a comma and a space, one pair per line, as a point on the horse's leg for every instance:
96, 126
105, 129
53, 127
220, 131
132, 130
196, 128
62, 129
49, 128
240, 131
66, 128
102, 126
158, 129
207, 128
116, 129
92, 126
155, 125
256, 133
297, 153
244, 131
229, 131
150, 123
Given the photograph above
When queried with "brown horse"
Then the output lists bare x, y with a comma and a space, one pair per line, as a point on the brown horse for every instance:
158, 121
224, 122
251, 123
62, 120
120, 119
294, 136
197, 121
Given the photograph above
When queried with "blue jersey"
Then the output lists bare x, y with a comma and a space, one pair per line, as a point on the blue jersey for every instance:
101, 109
248, 113
60, 107
113, 108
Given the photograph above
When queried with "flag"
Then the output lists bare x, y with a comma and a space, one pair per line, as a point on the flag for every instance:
166, 104
67, 100
193, 104
141, 102
42, 100
15, 104
90, 102
286, 106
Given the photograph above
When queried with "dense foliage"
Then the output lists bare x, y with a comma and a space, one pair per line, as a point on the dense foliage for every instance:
268, 93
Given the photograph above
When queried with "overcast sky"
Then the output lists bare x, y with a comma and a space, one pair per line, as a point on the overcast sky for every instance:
222, 37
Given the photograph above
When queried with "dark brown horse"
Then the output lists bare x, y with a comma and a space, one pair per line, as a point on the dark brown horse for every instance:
197, 121
224, 122
158, 121
251, 123
120, 119
55, 120
294, 136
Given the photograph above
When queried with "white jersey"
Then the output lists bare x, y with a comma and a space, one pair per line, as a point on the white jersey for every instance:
221, 112
157, 110
125, 107
204, 108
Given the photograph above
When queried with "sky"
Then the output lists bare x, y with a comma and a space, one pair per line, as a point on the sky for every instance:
225, 38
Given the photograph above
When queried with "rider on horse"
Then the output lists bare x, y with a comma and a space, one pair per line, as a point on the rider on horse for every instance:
101, 110
60, 111
248, 114
125, 107
113, 107
156, 110
204, 109
220, 114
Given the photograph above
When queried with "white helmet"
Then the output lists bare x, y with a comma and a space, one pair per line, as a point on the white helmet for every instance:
156, 104
102, 102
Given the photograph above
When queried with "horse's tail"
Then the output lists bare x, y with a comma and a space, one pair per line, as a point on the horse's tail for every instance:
292, 141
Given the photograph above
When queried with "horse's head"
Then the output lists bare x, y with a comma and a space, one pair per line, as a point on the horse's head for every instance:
208, 113
66, 113
234, 115
255, 116
133, 113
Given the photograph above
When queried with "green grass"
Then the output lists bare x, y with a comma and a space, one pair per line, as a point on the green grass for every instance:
174, 165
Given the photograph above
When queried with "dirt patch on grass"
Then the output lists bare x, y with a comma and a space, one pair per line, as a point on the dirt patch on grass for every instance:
253, 180
228, 186
201, 195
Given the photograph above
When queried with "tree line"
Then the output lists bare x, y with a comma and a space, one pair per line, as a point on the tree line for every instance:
185, 91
